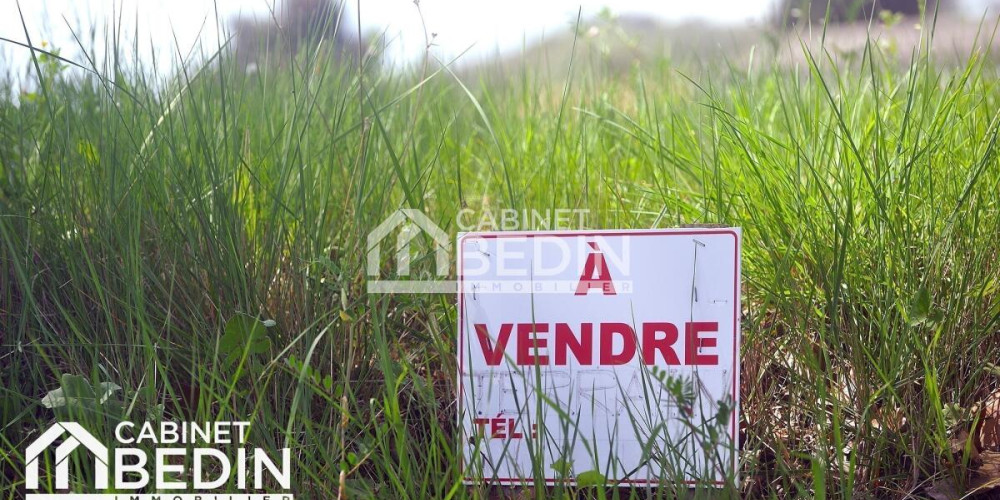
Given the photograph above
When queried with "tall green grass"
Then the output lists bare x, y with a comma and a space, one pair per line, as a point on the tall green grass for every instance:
139, 214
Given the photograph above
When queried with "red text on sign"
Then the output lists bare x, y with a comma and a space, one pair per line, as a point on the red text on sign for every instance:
656, 343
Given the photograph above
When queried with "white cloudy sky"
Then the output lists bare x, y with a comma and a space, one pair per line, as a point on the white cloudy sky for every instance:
486, 26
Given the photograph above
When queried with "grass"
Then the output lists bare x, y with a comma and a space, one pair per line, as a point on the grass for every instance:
139, 214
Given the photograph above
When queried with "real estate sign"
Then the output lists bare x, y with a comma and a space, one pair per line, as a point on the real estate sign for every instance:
599, 354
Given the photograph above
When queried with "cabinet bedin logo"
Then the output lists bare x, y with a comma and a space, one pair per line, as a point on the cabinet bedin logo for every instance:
127, 469
422, 265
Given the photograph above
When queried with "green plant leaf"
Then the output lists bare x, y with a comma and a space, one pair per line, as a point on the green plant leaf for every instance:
72, 390
76, 393
562, 466
920, 307
243, 334
590, 478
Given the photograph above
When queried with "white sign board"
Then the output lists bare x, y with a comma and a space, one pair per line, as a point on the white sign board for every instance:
599, 354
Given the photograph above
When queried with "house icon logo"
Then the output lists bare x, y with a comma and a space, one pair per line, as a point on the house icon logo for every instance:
76, 435
411, 222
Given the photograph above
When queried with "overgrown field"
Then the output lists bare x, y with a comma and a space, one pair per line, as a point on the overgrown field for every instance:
139, 215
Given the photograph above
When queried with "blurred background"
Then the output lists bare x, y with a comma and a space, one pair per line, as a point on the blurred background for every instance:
162, 32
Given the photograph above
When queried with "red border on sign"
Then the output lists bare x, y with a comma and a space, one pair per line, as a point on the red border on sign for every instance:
634, 232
